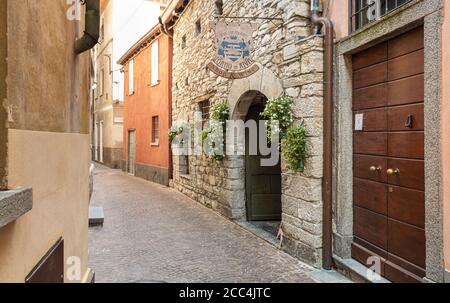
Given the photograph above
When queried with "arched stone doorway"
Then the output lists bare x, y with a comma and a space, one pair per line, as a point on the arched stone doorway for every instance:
244, 93
257, 194
262, 183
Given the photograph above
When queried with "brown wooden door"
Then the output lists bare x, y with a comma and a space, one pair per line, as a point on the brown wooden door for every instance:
51, 268
388, 159
263, 183
131, 156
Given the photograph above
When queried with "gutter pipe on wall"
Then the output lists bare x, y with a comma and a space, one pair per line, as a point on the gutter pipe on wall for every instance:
92, 27
165, 31
327, 198
164, 28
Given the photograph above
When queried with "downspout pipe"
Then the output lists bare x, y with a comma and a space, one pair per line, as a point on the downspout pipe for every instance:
165, 31
92, 27
327, 196
164, 28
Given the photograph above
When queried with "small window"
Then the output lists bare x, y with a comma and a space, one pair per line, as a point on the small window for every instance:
368, 11
219, 7
131, 78
204, 108
183, 42
186, 81
102, 82
198, 27
155, 63
102, 30
155, 130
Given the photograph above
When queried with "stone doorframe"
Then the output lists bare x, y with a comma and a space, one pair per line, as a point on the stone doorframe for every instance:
416, 13
240, 99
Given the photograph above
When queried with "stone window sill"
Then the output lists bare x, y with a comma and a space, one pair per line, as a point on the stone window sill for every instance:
14, 203
185, 176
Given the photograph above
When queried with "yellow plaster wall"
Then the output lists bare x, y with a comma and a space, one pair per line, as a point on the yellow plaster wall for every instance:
55, 165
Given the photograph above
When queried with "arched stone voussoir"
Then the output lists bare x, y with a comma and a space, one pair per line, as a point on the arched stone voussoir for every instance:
263, 81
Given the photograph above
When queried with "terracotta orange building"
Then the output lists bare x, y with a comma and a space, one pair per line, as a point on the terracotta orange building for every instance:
148, 70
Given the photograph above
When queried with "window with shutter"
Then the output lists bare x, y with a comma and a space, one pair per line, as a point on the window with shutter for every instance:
155, 63
131, 78
155, 130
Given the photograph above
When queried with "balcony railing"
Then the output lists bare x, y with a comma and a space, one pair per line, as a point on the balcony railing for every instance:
363, 12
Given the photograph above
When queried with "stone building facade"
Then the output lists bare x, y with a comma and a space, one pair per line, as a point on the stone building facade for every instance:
290, 57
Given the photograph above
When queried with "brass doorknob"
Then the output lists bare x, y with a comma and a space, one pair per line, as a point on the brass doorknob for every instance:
375, 168
392, 171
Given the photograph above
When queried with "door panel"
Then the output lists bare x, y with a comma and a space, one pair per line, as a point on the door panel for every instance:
266, 207
398, 274
371, 56
374, 120
406, 145
406, 118
370, 143
407, 205
407, 242
370, 195
405, 91
405, 66
362, 254
370, 97
406, 43
371, 75
395, 261
370, 226
362, 168
411, 173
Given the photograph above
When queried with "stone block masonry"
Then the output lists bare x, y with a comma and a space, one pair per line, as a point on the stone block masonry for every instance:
291, 63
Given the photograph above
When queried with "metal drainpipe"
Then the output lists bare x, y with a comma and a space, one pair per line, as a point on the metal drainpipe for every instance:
328, 133
168, 34
164, 28
92, 27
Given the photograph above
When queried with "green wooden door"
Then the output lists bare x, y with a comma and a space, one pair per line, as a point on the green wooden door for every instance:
263, 183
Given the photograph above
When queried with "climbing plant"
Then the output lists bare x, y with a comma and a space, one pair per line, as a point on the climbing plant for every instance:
213, 135
295, 148
294, 140
175, 131
278, 109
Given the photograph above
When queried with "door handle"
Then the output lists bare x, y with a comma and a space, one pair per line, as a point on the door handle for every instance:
374, 168
393, 171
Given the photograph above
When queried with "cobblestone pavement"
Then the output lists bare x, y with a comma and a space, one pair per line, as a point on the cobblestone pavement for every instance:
155, 234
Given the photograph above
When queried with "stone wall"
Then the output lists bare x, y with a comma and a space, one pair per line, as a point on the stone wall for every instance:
291, 62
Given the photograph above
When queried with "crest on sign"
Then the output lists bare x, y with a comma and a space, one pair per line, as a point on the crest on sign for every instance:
233, 51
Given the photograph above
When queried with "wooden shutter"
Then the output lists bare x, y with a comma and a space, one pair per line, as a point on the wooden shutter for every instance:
155, 63
131, 78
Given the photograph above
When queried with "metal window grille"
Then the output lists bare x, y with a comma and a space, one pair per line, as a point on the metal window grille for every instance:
155, 129
363, 12
204, 108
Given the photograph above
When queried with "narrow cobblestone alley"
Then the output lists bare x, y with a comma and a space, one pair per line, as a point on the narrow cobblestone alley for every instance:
154, 234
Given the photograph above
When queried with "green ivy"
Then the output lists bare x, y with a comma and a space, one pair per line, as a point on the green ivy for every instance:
174, 132
278, 109
220, 113
295, 148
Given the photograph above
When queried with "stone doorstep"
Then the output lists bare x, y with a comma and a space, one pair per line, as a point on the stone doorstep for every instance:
355, 271
96, 216
328, 276
14, 204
